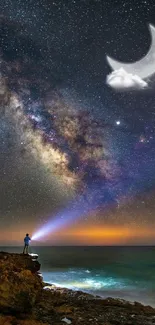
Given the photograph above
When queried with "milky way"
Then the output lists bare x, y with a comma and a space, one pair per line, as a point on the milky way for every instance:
68, 143
77, 145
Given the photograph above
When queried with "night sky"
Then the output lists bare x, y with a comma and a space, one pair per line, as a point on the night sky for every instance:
69, 142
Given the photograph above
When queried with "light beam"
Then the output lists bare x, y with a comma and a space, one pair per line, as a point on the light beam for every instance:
77, 208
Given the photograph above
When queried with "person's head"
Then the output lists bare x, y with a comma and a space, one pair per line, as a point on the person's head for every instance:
27, 235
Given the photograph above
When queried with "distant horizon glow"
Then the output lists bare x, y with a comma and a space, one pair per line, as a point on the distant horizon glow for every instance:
104, 235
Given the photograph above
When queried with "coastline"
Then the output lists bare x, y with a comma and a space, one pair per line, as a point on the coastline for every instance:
115, 294
26, 300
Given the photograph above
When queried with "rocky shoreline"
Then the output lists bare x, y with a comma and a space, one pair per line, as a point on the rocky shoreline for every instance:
26, 300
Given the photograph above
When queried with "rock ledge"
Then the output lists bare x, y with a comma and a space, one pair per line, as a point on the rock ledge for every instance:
26, 300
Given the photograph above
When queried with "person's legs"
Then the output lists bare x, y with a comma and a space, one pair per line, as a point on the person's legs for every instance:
24, 249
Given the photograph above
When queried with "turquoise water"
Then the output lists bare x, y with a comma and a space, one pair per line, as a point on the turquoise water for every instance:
124, 272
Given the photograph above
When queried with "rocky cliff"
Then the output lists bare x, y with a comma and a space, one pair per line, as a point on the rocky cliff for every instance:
26, 300
20, 284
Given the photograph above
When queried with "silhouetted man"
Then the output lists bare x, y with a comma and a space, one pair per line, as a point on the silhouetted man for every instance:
26, 246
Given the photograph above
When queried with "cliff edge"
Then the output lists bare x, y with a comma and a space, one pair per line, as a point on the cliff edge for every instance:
26, 300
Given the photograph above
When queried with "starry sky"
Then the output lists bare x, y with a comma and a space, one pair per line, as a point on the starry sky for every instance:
67, 139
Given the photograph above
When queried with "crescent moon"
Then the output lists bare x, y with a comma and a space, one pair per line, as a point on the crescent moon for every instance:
143, 68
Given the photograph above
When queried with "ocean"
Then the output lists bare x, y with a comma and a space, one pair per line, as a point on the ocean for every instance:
119, 272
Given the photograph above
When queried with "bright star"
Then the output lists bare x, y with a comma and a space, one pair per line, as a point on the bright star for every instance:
118, 122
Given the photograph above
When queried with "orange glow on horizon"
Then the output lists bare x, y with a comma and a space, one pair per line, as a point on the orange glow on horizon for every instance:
87, 235
106, 235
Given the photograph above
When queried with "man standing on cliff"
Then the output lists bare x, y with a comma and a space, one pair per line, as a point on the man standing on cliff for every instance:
26, 246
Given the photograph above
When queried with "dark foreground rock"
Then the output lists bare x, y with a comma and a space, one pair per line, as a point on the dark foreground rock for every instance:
26, 300
20, 284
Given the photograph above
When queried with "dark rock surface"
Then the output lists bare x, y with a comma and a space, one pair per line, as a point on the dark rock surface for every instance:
26, 300
20, 284
20, 261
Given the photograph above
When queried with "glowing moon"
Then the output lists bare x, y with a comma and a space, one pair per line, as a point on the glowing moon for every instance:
145, 67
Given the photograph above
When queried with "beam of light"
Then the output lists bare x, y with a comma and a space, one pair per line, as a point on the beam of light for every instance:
63, 218
76, 209
97, 196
